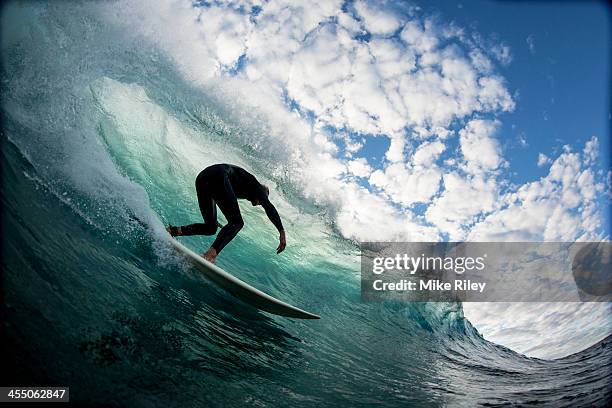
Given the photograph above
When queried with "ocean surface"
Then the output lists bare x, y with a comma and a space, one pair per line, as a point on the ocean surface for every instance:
99, 130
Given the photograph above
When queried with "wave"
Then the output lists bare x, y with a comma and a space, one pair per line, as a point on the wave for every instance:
95, 136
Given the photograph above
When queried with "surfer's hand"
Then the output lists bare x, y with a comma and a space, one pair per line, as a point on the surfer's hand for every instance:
282, 243
210, 255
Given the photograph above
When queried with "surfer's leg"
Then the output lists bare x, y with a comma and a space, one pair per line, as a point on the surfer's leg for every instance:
208, 210
228, 203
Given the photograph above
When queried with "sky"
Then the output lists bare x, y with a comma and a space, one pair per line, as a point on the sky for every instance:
559, 72
421, 121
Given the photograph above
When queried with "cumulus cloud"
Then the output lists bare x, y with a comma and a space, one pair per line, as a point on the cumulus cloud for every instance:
420, 36
407, 185
363, 210
455, 211
377, 21
557, 207
480, 61
542, 330
543, 160
359, 167
229, 29
427, 154
591, 150
502, 53
480, 150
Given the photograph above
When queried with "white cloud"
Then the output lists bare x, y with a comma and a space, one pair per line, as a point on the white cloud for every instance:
427, 154
542, 330
359, 167
350, 24
591, 150
462, 200
229, 29
502, 53
352, 146
543, 160
494, 95
395, 152
480, 150
480, 61
557, 207
362, 211
377, 21
407, 185
419, 36
392, 59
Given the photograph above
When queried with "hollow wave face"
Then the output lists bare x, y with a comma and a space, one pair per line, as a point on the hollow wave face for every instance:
99, 131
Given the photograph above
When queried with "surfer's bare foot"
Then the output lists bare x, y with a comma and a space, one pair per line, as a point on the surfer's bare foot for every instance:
174, 231
210, 255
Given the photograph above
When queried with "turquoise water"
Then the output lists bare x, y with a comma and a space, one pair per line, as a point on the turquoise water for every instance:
100, 129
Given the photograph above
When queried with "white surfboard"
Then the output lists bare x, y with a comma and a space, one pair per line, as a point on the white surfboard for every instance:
240, 289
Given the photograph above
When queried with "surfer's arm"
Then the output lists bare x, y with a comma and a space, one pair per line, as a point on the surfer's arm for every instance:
275, 219
272, 214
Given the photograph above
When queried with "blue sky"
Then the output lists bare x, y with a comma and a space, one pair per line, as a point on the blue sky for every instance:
562, 81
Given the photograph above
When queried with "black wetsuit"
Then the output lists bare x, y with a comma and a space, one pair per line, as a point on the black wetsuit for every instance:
223, 184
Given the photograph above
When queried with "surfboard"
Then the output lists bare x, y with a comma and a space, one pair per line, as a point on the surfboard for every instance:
239, 289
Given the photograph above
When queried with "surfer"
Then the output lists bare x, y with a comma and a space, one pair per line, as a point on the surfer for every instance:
221, 185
